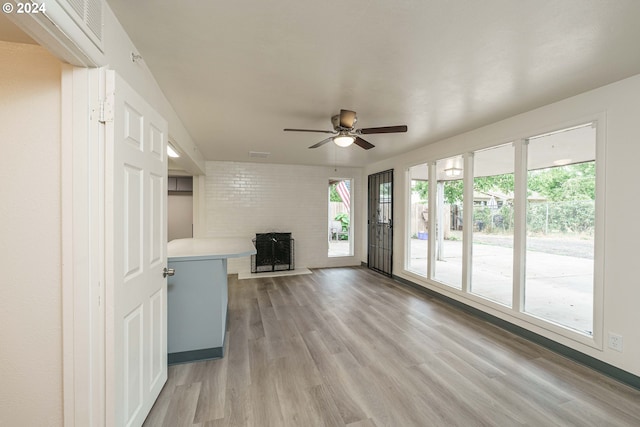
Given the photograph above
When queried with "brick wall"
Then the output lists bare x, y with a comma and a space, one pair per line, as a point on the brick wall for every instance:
242, 199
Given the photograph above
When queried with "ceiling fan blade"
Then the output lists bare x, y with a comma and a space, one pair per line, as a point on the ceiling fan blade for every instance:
308, 130
384, 129
362, 143
347, 118
324, 141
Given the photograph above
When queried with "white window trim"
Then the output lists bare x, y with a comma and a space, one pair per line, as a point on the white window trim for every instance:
596, 340
352, 221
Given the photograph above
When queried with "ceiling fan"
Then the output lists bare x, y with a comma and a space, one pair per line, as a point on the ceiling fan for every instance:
344, 133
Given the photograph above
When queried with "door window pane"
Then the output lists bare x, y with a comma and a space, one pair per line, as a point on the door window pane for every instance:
380, 236
560, 227
448, 265
492, 254
418, 220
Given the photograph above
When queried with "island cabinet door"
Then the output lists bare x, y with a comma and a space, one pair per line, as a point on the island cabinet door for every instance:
135, 258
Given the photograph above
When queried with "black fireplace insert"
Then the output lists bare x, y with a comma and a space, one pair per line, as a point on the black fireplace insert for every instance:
274, 252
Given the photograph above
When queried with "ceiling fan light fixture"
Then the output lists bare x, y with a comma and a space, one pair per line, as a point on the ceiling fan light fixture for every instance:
343, 140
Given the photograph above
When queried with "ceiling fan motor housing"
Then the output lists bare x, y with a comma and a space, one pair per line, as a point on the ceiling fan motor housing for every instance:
335, 121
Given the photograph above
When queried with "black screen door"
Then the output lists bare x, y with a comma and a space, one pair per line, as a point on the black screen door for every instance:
380, 222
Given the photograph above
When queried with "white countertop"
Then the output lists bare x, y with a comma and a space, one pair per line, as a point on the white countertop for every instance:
209, 248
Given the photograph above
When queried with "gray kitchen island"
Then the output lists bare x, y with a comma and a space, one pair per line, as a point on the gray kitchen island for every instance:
197, 296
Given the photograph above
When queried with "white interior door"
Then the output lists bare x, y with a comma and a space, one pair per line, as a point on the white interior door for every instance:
135, 240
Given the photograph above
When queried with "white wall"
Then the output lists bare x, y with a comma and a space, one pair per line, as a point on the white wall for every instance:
242, 199
30, 247
620, 103
179, 216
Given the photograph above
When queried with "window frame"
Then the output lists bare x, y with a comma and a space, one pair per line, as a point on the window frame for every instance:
408, 219
351, 217
596, 340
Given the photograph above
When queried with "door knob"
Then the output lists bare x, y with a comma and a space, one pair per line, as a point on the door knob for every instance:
168, 272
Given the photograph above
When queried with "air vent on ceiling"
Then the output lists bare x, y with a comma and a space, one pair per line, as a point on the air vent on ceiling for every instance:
262, 154
88, 15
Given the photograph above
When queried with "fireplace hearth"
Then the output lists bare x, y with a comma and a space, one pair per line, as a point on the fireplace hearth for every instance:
274, 252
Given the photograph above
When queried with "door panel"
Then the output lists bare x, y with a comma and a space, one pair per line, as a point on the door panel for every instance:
133, 350
157, 345
132, 205
157, 222
380, 222
135, 235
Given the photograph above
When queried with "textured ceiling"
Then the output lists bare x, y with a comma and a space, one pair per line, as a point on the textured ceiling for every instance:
239, 72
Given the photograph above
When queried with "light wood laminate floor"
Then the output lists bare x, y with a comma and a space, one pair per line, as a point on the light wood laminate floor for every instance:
349, 347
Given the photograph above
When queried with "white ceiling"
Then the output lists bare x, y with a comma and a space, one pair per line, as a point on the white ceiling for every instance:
238, 72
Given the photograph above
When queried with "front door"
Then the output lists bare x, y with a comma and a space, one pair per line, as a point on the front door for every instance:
135, 241
380, 222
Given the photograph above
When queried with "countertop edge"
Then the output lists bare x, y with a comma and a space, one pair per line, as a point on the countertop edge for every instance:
200, 249
179, 258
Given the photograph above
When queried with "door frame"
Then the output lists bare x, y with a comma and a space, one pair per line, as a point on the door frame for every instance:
81, 211
83, 268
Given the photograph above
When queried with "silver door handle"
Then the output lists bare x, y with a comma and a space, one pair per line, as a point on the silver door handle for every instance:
168, 272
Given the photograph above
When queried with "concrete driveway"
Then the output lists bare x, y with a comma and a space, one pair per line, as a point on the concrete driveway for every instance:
559, 274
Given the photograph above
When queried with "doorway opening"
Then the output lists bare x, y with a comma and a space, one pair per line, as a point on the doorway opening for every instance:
179, 207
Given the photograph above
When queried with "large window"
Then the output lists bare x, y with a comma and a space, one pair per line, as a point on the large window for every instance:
493, 203
418, 244
561, 187
527, 239
449, 217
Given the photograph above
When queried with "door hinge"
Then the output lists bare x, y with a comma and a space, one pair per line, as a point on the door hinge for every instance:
106, 112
